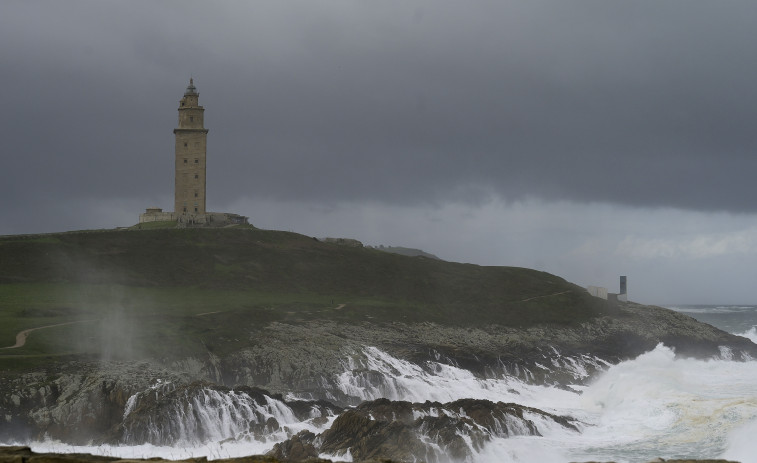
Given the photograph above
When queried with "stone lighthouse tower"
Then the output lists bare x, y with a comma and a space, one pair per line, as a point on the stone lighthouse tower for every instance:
191, 146
189, 182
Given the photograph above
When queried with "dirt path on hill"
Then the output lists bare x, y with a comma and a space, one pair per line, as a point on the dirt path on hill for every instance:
539, 297
209, 313
21, 337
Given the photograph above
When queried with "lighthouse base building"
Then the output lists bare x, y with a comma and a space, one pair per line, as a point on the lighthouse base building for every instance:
189, 181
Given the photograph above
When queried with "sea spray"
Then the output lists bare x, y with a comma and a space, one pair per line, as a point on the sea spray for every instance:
157, 388
741, 443
656, 405
657, 401
750, 334
377, 374
198, 414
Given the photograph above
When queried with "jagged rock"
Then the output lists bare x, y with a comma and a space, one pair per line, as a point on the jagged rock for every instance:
25, 455
401, 430
366, 438
85, 401
77, 403
299, 447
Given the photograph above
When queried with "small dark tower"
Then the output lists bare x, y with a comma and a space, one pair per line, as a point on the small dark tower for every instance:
623, 294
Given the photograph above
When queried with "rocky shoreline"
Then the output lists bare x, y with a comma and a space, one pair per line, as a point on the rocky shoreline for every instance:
334, 378
22, 454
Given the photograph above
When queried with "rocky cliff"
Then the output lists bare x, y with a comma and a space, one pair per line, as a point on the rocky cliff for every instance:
336, 363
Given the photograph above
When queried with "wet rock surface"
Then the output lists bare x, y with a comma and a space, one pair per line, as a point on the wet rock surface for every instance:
202, 412
429, 431
137, 402
76, 402
306, 357
21, 454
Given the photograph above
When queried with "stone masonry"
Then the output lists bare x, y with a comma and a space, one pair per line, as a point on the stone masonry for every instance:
190, 169
191, 151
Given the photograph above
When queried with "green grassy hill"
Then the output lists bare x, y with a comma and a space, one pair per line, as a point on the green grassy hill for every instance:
168, 278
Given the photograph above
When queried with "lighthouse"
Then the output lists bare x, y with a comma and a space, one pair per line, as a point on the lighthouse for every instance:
191, 154
190, 167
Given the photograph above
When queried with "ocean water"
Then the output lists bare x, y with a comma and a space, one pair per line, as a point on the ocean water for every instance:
655, 405
736, 319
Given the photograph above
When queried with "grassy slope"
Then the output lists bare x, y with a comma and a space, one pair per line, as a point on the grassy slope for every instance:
155, 282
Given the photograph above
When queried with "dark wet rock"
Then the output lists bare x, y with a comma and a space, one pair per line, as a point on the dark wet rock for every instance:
299, 447
366, 438
75, 403
25, 455
81, 402
429, 431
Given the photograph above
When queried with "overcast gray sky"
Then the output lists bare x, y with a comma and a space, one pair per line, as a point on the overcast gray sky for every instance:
586, 138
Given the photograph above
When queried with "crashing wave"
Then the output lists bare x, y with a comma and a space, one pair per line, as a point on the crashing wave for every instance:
200, 413
372, 374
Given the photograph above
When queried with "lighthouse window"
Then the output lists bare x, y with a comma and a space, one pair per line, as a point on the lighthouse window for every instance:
185, 145
195, 209
191, 119
185, 160
197, 161
197, 176
196, 195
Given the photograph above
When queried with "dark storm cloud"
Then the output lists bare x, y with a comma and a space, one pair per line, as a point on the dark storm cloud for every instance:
642, 103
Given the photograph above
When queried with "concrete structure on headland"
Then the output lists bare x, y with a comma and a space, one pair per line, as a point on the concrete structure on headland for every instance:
190, 172
597, 291
622, 296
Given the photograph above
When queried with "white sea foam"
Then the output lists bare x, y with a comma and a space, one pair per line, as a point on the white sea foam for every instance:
656, 405
750, 334
709, 309
701, 310
741, 446
653, 406
380, 375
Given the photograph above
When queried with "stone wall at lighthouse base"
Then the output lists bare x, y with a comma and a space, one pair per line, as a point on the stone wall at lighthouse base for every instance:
184, 220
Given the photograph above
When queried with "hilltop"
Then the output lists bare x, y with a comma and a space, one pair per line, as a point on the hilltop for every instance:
223, 267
